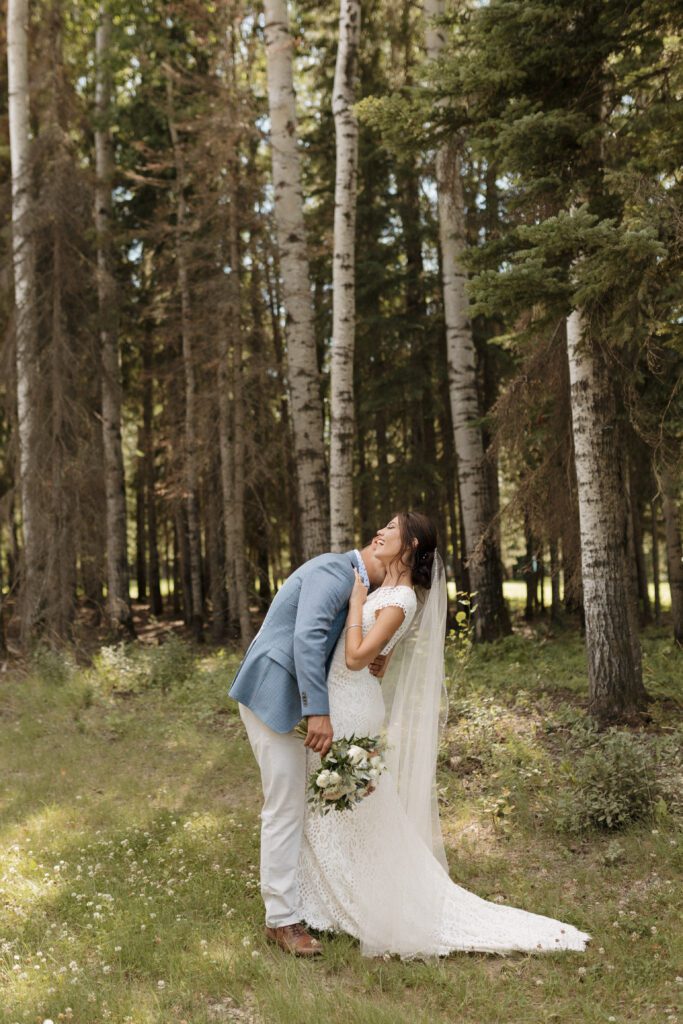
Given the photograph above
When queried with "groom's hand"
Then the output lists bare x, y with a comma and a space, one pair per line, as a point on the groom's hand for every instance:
320, 735
379, 666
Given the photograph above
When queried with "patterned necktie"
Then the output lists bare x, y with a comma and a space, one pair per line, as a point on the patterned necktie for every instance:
361, 569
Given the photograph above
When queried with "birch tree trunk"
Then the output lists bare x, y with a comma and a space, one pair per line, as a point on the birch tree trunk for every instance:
614, 677
303, 374
190, 454
118, 601
674, 552
480, 548
344, 279
24, 265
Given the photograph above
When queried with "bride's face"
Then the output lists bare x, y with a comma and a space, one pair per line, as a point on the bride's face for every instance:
387, 544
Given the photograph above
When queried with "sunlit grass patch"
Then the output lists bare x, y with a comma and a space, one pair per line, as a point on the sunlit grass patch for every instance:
129, 878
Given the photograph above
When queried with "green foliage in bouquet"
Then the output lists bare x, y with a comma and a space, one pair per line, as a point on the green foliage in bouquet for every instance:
347, 774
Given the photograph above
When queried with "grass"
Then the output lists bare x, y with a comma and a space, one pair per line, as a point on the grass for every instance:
129, 836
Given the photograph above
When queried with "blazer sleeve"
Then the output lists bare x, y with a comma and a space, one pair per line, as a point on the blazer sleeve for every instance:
324, 592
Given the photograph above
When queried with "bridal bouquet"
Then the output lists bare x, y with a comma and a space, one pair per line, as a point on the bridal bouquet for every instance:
348, 772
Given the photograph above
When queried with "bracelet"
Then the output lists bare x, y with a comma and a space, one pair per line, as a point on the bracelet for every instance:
355, 625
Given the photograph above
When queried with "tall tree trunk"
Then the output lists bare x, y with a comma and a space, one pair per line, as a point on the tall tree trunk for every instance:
25, 291
631, 570
674, 554
344, 279
176, 566
118, 601
529, 573
655, 561
140, 530
227, 464
615, 685
60, 558
194, 598
639, 554
156, 603
215, 553
295, 544
554, 580
303, 373
480, 550
239, 567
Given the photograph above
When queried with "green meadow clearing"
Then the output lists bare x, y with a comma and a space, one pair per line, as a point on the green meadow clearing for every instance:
129, 839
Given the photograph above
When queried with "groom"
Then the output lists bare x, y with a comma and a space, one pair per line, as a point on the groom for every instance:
282, 678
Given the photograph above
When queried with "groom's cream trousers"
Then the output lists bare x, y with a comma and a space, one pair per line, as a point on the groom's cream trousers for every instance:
281, 756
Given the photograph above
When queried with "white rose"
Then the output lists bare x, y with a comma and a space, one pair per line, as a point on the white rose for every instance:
323, 779
376, 761
373, 773
335, 779
356, 754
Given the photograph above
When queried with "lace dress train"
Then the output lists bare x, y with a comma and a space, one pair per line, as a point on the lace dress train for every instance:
367, 872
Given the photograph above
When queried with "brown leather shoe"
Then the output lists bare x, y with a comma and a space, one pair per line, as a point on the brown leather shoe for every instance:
294, 938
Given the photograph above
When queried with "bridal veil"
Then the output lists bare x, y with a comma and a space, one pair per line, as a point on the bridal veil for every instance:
416, 703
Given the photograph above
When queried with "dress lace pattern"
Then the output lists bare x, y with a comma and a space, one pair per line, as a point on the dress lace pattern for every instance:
354, 866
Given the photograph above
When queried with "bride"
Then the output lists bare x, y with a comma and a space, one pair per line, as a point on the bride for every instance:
379, 872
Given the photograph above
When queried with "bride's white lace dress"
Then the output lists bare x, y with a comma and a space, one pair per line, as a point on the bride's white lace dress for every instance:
368, 872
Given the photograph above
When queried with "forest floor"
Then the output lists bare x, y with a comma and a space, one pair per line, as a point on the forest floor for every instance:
129, 845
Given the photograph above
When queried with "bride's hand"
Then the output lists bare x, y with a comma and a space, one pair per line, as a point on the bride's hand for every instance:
359, 592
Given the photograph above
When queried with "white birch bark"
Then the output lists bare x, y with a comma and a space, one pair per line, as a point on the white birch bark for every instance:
191, 450
615, 683
118, 601
24, 266
481, 554
344, 279
303, 375
674, 552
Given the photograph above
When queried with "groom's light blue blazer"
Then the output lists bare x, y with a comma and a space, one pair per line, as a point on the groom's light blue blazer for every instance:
282, 676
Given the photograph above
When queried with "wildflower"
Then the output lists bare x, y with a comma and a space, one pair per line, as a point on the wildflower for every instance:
161, 984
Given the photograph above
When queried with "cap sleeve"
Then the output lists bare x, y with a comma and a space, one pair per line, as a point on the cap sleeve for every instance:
397, 597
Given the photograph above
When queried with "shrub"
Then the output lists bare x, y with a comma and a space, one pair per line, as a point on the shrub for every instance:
132, 668
171, 664
53, 667
119, 668
613, 783
669, 755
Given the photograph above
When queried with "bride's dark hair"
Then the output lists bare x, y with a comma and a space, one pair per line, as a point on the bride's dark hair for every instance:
419, 541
